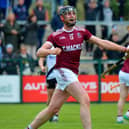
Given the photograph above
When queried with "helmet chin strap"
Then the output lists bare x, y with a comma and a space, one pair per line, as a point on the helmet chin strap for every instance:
70, 24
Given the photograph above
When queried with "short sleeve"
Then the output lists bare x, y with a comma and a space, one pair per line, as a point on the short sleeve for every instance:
51, 39
87, 34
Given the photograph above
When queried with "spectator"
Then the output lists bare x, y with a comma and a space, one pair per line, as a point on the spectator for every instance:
116, 38
4, 5
10, 63
113, 55
27, 61
100, 1
31, 37
60, 2
2, 52
28, 3
91, 15
106, 15
121, 9
1, 31
86, 2
114, 30
20, 11
99, 53
1, 27
12, 31
42, 15
72, 3
56, 22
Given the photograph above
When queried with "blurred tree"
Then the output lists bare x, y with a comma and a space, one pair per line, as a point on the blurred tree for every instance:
115, 9
126, 10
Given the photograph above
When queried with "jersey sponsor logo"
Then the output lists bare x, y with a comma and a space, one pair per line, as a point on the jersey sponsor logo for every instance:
62, 37
72, 47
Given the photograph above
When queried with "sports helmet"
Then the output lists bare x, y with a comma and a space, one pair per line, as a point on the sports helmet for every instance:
66, 9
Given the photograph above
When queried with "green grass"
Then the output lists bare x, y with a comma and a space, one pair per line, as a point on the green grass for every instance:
17, 116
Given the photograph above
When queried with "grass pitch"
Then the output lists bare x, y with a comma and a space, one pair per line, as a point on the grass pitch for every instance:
17, 116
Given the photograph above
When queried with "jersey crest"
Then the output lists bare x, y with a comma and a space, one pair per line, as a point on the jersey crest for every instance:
71, 36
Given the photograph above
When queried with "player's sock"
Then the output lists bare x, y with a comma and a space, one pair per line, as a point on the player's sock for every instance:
119, 119
29, 127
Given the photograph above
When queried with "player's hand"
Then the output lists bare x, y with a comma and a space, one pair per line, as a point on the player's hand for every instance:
127, 52
127, 49
56, 51
41, 62
43, 69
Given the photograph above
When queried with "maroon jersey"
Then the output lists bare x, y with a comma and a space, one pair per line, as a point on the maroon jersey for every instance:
71, 44
125, 67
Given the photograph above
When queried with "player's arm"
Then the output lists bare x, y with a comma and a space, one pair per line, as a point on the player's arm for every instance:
107, 44
46, 50
41, 64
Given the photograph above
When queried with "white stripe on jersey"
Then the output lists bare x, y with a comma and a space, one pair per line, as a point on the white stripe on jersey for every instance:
50, 43
51, 61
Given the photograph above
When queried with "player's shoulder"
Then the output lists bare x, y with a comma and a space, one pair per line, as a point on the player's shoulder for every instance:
78, 28
58, 32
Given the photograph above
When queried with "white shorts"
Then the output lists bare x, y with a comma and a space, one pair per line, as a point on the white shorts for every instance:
124, 78
64, 77
52, 75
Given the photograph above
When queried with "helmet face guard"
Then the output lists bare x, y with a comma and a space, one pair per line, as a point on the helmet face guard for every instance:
67, 9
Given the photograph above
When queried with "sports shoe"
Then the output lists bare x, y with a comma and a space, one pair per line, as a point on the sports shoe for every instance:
120, 122
50, 119
126, 117
54, 119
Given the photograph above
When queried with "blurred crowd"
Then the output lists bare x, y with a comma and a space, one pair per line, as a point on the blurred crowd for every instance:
20, 41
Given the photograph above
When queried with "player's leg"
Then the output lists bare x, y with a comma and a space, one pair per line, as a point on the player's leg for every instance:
68, 80
126, 116
121, 102
58, 98
49, 95
51, 85
75, 89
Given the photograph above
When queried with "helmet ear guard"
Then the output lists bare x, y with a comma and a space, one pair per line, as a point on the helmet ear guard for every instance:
66, 9
62, 18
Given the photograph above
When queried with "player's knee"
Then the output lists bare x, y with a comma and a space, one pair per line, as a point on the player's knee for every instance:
53, 109
124, 97
85, 100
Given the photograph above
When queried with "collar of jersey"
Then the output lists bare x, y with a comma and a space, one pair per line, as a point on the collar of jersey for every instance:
68, 30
